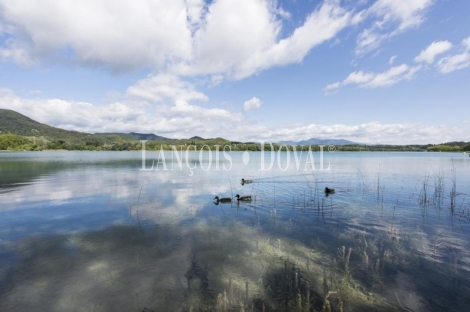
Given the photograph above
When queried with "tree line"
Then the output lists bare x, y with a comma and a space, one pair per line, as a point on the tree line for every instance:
15, 142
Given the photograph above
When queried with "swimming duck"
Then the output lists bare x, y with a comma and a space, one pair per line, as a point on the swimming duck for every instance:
246, 181
243, 198
222, 200
329, 191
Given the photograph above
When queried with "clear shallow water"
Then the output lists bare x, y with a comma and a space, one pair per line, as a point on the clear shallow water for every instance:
91, 231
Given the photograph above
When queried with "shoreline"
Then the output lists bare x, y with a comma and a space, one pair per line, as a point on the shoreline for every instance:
238, 151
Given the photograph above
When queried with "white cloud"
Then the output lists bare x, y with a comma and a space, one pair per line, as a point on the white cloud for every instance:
195, 10
134, 114
375, 132
359, 78
454, 62
405, 72
121, 36
434, 49
371, 132
284, 14
253, 103
390, 18
183, 108
16, 53
332, 86
155, 88
392, 76
466, 43
374, 80
457, 61
222, 43
321, 25
224, 38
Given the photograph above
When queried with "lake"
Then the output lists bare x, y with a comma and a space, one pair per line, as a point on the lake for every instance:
104, 231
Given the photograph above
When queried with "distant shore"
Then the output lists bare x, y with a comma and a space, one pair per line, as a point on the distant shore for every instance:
169, 150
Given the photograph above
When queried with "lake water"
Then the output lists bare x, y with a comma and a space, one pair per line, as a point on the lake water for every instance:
92, 231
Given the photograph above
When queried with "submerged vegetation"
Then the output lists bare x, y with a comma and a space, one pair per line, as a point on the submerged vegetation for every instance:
289, 249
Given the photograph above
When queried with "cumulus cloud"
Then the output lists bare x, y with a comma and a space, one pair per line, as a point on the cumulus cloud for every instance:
222, 43
253, 103
225, 49
390, 18
183, 108
321, 25
224, 39
375, 80
121, 36
133, 114
434, 49
155, 88
187, 38
195, 10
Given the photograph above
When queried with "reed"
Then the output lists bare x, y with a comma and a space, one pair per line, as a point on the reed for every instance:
325, 282
225, 301
299, 302
365, 259
438, 188
307, 296
326, 302
423, 195
230, 289
246, 290
219, 303
453, 191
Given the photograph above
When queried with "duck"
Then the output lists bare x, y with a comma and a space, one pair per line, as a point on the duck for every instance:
222, 200
246, 181
329, 191
243, 198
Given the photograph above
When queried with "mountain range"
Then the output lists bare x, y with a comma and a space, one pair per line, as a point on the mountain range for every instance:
314, 141
16, 123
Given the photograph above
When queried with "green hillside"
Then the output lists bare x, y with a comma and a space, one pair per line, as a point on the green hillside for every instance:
18, 132
136, 136
16, 123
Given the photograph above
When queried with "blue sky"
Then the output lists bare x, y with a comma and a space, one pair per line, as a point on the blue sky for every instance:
371, 71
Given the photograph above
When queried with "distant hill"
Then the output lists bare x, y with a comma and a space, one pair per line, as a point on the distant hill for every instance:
136, 136
16, 123
314, 141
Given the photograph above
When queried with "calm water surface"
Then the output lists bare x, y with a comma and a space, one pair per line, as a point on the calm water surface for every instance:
91, 231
